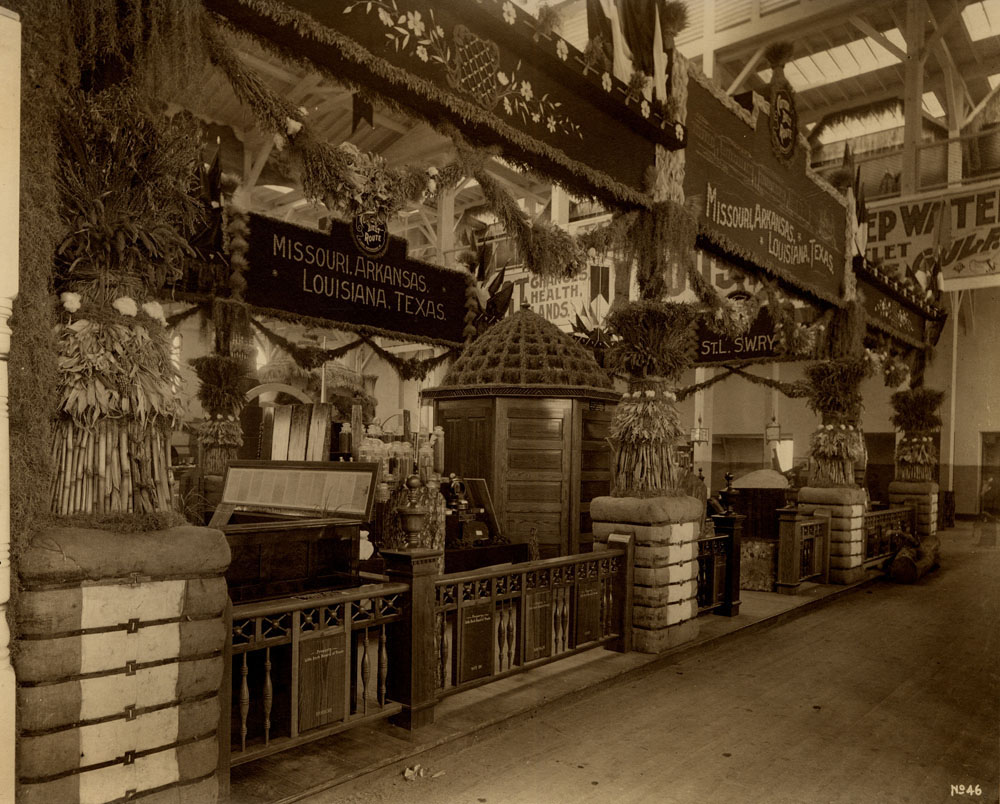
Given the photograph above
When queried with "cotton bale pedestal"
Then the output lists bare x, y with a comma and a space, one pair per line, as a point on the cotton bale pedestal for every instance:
527, 408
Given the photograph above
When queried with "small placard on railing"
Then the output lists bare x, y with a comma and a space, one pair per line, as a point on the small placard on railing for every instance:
478, 635
588, 610
321, 681
538, 627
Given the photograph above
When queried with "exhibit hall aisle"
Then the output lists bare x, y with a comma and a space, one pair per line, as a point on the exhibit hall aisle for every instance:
891, 694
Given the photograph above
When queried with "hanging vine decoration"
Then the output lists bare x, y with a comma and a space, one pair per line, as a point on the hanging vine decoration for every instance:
793, 390
730, 316
578, 176
311, 357
548, 250
658, 240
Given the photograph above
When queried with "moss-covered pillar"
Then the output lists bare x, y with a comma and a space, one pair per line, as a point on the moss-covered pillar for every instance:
665, 589
922, 495
10, 134
119, 665
847, 528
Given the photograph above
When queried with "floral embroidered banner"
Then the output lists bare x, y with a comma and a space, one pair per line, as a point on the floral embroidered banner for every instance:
485, 67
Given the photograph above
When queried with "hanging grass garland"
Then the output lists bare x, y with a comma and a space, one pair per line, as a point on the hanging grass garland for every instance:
548, 250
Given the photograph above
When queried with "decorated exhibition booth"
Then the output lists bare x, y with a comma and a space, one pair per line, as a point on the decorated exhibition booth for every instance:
536, 504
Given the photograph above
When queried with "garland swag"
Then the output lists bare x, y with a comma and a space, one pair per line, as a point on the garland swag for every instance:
310, 357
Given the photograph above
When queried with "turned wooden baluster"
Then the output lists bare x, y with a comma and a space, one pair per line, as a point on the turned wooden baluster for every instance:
606, 604
501, 639
383, 666
365, 672
444, 650
565, 618
244, 703
510, 635
556, 620
268, 696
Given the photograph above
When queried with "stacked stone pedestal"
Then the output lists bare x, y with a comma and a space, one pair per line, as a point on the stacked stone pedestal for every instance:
119, 666
665, 589
847, 528
923, 496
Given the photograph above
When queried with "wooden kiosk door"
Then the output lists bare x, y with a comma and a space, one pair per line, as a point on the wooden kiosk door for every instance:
534, 471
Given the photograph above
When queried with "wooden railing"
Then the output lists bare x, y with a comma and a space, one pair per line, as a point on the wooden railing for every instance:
884, 531
719, 566
308, 666
493, 623
803, 549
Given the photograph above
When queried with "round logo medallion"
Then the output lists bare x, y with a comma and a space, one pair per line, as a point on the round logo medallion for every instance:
370, 235
784, 122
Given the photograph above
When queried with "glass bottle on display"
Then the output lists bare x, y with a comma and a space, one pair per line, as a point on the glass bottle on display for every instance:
438, 440
344, 438
425, 460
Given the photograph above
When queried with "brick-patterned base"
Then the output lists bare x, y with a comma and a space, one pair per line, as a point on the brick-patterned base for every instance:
924, 497
847, 532
665, 587
120, 665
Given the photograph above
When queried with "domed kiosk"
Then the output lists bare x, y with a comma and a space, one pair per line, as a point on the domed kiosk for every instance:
527, 408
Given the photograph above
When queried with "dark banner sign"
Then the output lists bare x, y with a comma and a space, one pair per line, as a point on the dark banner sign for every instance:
326, 276
759, 342
533, 91
890, 315
758, 206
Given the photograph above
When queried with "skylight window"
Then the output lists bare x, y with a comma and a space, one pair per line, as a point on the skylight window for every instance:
844, 61
982, 19
932, 105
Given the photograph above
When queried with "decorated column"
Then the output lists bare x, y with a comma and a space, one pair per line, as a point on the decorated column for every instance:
10, 133
655, 345
837, 446
915, 414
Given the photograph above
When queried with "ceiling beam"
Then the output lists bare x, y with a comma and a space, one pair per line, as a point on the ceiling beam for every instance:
940, 29
868, 30
797, 21
747, 69
981, 105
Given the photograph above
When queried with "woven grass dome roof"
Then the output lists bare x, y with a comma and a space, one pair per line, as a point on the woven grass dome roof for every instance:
526, 352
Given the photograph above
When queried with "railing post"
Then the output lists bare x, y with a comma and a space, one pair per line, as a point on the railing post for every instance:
226, 704
412, 680
623, 590
827, 516
730, 524
789, 547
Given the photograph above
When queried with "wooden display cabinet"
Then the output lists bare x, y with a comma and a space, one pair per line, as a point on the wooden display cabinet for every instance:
292, 526
543, 458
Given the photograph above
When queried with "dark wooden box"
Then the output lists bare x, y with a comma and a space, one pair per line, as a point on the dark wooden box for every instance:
294, 526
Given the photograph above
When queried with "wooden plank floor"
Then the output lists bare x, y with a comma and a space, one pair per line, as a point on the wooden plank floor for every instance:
889, 695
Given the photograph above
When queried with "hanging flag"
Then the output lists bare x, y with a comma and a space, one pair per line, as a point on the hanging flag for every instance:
361, 110
600, 282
